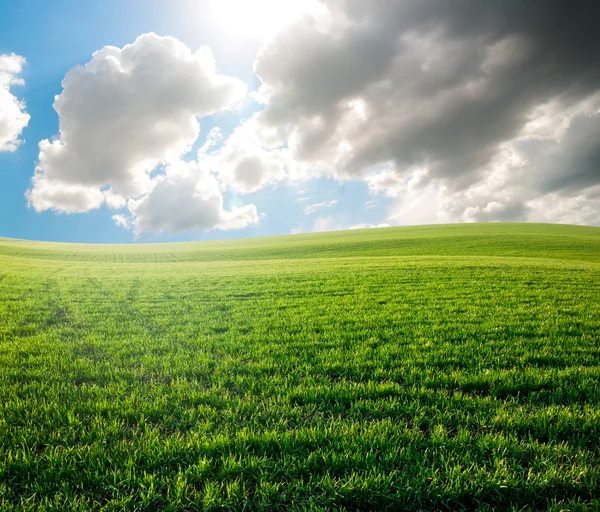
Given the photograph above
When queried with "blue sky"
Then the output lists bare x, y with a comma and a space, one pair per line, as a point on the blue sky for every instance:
351, 150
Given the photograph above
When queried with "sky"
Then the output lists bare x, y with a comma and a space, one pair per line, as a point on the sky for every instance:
144, 120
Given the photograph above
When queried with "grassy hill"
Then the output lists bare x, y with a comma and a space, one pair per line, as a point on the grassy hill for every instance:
522, 240
430, 367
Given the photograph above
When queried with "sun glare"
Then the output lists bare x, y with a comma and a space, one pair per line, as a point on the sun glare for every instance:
259, 19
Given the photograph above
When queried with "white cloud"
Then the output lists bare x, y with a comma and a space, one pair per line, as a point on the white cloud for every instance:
329, 223
121, 220
565, 210
122, 115
13, 118
186, 197
312, 208
367, 225
243, 161
114, 201
46, 194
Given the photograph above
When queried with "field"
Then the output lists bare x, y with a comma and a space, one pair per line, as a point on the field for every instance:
434, 367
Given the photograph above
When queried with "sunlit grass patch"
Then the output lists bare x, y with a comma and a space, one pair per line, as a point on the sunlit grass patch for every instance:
410, 368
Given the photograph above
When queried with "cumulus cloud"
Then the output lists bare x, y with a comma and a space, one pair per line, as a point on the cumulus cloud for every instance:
46, 194
123, 115
13, 118
186, 197
244, 162
439, 94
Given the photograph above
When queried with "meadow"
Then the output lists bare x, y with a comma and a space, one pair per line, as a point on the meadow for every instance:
423, 368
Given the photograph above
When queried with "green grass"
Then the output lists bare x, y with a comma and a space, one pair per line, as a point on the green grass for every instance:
434, 367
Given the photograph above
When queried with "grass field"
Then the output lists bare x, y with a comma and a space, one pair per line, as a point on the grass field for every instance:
435, 367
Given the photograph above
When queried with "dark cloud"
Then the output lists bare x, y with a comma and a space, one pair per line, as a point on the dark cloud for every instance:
444, 82
440, 85
573, 164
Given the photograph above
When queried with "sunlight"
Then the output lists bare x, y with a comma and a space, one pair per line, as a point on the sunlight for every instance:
260, 19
